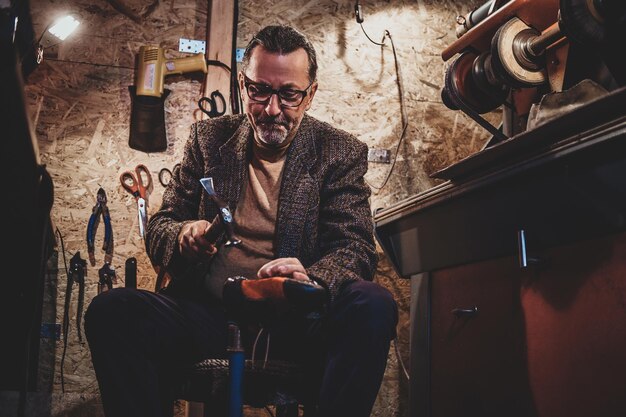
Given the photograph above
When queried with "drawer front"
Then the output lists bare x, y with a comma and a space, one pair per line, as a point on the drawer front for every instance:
575, 320
476, 354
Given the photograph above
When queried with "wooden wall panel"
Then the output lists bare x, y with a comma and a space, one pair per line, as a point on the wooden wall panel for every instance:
80, 102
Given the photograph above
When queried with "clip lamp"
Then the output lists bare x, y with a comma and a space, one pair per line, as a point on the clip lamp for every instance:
63, 27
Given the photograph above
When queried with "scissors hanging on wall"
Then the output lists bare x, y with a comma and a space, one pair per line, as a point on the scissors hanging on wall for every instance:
138, 183
165, 174
213, 106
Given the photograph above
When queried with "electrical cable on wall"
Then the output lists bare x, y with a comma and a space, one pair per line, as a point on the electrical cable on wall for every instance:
65, 318
234, 85
69, 61
404, 118
218, 64
405, 123
404, 371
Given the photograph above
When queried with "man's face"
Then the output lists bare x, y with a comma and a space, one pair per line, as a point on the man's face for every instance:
273, 122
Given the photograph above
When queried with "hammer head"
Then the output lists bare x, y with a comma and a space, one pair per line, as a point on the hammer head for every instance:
225, 216
207, 184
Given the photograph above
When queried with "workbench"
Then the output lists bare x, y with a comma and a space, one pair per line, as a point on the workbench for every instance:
517, 262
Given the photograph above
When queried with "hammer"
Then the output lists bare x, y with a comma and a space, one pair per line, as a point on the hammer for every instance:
223, 221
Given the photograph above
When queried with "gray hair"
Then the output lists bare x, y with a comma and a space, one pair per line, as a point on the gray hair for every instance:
282, 39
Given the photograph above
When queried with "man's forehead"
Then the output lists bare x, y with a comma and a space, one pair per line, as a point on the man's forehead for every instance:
266, 66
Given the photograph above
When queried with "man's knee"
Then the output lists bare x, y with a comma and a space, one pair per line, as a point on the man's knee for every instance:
370, 303
371, 295
107, 311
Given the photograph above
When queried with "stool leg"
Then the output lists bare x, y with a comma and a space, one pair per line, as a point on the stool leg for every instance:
236, 364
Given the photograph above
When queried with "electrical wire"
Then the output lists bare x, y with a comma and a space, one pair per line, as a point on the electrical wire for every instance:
89, 63
267, 347
404, 117
234, 94
399, 357
382, 42
267, 350
387, 34
66, 319
258, 335
218, 64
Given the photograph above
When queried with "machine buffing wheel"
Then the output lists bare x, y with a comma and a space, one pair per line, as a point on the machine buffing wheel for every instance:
590, 22
509, 58
487, 80
461, 91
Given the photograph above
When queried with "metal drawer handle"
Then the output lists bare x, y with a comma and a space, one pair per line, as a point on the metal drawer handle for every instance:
466, 312
524, 260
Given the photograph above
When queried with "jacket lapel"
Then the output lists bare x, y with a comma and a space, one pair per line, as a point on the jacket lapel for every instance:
229, 172
296, 191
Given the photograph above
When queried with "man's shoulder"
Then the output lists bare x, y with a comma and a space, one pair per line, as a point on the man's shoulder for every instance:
329, 135
218, 128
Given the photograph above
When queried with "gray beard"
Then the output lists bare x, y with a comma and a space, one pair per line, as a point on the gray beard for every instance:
272, 136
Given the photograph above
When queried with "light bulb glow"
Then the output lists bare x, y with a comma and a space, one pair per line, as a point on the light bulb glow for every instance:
63, 27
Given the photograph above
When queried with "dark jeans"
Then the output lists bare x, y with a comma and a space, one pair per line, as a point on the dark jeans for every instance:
136, 337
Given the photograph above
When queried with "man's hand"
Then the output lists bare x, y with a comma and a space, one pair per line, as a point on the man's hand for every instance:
284, 267
192, 243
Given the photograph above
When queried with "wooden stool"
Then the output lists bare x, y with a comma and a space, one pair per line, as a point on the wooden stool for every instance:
281, 384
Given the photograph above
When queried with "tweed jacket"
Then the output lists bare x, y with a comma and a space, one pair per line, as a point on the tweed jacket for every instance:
324, 216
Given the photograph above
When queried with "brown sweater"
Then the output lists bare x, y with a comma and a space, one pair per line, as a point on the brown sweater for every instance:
255, 224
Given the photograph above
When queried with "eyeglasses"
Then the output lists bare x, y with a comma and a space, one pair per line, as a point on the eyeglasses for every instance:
262, 93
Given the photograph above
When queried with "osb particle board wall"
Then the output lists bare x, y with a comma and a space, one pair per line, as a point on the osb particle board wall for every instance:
80, 105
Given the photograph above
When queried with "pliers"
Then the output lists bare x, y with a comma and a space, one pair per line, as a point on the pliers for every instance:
100, 209
107, 278
76, 274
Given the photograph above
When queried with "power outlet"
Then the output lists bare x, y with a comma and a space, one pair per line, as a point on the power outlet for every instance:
382, 156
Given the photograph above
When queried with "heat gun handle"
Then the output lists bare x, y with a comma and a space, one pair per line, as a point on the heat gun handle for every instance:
184, 65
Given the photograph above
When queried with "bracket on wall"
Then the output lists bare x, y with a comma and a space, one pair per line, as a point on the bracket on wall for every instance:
191, 46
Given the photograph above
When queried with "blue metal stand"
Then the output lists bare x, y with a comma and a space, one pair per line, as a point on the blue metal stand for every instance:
236, 363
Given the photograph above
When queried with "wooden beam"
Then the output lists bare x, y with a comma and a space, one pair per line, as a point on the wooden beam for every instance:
219, 47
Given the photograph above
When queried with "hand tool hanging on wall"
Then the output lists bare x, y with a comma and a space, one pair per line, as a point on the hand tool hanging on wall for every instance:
214, 108
100, 210
130, 273
106, 278
76, 274
165, 175
134, 184
147, 118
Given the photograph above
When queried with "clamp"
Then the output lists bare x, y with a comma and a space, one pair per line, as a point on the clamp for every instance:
100, 209
107, 278
76, 274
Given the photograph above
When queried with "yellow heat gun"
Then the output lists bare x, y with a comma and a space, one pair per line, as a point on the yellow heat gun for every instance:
147, 124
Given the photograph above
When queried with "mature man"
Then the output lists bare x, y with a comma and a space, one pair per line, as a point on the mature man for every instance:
301, 210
